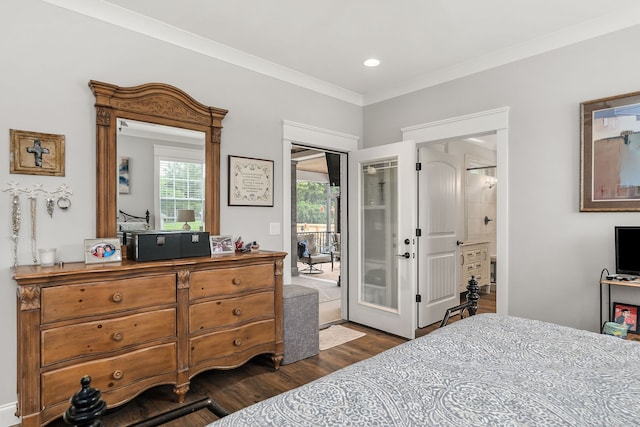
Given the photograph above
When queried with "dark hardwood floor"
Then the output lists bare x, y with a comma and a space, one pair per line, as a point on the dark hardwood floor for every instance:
257, 380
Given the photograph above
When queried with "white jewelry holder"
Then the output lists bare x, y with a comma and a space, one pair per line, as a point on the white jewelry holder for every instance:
63, 192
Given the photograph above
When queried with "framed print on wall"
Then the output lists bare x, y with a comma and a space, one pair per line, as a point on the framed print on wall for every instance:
610, 154
250, 182
36, 153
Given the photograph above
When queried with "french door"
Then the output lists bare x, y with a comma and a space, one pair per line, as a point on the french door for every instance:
382, 224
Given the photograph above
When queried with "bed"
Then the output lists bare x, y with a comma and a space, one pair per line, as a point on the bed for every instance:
486, 369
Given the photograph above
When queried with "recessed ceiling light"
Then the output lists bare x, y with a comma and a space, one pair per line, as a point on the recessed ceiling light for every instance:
372, 62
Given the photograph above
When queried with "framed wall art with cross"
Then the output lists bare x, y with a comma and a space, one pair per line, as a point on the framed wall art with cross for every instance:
34, 153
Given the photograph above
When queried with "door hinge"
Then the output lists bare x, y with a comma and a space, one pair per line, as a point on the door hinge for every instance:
418, 232
418, 166
418, 298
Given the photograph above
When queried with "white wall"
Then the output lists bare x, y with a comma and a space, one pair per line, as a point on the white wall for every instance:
49, 55
556, 253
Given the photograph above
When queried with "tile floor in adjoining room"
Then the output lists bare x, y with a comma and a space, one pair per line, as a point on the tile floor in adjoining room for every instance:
329, 293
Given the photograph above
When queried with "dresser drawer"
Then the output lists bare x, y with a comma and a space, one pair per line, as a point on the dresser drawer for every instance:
231, 280
83, 339
73, 301
219, 345
230, 311
110, 373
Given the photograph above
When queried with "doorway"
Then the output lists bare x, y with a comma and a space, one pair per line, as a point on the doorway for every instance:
315, 216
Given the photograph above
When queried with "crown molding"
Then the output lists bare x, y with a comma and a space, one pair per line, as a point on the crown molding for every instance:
133, 21
605, 24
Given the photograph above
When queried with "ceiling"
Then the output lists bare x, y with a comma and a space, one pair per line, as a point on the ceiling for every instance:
321, 45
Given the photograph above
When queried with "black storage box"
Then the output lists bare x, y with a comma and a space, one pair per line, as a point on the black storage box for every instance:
153, 245
194, 243
160, 245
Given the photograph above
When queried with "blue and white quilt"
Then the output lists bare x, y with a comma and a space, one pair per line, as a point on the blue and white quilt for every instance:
486, 370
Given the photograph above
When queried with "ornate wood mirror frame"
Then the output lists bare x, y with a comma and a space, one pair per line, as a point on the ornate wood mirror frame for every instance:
160, 104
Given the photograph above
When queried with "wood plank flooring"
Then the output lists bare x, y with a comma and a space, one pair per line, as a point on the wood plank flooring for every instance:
257, 380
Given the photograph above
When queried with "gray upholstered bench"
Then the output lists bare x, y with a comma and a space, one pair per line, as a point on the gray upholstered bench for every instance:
300, 312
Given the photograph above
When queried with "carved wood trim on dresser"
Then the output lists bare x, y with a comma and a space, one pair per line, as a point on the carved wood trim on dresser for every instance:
132, 326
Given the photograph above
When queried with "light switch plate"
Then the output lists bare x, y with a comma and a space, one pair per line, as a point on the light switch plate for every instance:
274, 228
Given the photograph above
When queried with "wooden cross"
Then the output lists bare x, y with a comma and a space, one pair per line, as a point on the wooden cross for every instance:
37, 151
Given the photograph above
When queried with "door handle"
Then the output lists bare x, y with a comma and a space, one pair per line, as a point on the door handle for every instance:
404, 255
459, 242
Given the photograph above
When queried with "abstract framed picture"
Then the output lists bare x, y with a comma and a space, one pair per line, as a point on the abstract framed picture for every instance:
35, 153
610, 154
102, 250
221, 245
626, 314
123, 175
250, 182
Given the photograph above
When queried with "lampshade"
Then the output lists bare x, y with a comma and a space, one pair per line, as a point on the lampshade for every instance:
186, 216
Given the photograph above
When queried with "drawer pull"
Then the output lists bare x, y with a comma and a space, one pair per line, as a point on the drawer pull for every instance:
117, 297
237, 312
117, 374
117, 336
237, 342
236, 281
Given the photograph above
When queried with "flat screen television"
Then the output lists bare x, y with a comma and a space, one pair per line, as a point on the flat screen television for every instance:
628, 250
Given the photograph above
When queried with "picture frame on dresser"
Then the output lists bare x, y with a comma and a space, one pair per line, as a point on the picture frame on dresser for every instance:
221, 245
610, 137
98, 251
626, 314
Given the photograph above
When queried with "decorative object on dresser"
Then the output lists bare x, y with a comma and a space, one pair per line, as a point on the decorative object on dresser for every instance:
133, 326
250, 182
221, 245
102, 250
35, 153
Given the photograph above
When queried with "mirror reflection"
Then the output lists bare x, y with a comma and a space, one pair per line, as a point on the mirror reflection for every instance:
161, 170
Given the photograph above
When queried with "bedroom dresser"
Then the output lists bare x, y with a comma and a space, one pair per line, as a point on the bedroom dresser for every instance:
135, 325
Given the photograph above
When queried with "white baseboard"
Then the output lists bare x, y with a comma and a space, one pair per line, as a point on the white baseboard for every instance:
8, 415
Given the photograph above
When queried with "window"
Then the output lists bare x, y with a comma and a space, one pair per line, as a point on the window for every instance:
180, 185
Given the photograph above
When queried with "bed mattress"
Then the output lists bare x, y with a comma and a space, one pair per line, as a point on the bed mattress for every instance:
484, 370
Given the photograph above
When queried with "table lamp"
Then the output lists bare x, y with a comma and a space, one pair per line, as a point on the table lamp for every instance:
186, 216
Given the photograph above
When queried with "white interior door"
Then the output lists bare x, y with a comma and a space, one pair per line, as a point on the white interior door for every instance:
382, 223
440, 218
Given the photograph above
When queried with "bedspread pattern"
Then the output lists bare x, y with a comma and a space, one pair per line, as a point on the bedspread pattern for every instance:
485, 370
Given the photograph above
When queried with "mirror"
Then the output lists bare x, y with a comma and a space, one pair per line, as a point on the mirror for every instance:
160, 170
160, 104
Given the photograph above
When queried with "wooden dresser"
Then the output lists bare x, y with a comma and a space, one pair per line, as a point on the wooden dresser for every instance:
132, 326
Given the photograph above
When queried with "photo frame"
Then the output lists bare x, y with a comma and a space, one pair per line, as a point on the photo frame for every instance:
35, 153
102, 250
250, 182
626, 314
610, 154
221, 245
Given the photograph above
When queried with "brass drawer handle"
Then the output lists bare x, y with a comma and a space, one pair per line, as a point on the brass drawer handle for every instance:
117, 297
117, 374
118, 336
236, 281
237, 342
237, 312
